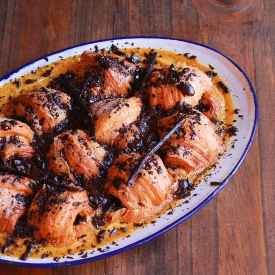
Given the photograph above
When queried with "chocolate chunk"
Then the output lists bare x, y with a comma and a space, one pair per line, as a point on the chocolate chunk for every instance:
186, 88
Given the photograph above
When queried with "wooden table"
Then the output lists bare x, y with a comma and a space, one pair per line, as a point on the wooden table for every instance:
235, 232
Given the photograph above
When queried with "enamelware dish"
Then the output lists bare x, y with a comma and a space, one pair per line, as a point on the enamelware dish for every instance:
245, 101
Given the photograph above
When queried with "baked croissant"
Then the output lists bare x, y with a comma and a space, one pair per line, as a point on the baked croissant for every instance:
112, 116
73, 152
15, 196
170, 85
15, 139
44, 109
59, 216
194, 147
147, 196
102, 76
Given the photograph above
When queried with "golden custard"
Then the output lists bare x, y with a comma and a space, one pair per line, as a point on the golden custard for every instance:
109, 233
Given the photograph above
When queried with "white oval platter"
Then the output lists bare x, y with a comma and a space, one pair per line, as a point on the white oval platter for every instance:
244, 98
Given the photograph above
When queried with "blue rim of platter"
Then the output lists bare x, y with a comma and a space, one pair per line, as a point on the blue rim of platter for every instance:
177, 221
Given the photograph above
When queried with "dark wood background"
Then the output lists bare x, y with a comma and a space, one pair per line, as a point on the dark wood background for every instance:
235, 232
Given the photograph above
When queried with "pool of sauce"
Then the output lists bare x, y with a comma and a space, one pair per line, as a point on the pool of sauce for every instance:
109, 234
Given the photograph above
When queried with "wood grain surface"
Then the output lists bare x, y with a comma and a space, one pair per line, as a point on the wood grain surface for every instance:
235, 232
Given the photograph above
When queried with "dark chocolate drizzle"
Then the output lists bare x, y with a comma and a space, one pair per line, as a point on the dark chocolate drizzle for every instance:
75, 95
224, 87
